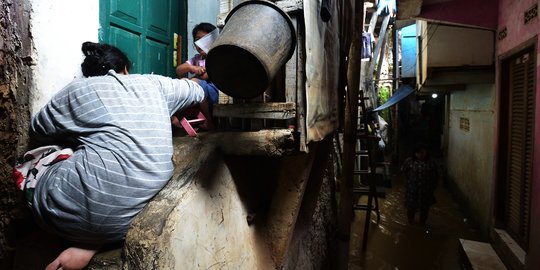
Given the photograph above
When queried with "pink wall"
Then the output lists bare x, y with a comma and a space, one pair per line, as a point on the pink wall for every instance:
511, 16
481, 13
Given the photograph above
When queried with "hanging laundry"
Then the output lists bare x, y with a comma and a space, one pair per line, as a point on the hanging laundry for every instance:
387, 7
367, 45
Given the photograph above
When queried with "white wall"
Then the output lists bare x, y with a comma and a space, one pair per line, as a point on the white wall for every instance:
59, 28
450, 46
200, 11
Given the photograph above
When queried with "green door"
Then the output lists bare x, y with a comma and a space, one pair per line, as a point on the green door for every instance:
144, 30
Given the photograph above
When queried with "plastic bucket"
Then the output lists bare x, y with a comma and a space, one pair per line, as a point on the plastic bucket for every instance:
257, 40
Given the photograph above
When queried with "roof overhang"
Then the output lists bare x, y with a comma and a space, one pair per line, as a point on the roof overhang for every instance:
443, 80
474, 13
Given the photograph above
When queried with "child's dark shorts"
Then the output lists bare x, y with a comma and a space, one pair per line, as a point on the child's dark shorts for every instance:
210, 91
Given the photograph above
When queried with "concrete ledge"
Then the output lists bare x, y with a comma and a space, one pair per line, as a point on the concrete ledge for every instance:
211, 214
269, 142
509, 251
481, 255
269, 110
197, 221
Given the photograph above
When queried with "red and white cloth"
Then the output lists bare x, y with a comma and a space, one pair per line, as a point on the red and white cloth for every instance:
34, 164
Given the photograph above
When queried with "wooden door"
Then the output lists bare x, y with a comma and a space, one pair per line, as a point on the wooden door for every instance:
516, 145
144, 30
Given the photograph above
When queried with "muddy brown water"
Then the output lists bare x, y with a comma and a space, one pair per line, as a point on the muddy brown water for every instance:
394, 244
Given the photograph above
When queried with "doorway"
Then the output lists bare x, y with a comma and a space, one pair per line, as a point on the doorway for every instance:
516, 140
145, 30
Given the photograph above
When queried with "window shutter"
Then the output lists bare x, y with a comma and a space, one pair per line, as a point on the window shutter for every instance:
521, 127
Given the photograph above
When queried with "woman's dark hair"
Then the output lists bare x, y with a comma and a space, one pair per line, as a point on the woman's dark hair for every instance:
204, 26
100, 58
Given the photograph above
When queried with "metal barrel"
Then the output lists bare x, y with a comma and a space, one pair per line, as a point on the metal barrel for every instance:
257, 40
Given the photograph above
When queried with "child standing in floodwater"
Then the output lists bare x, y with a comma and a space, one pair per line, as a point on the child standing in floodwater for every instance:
421, 181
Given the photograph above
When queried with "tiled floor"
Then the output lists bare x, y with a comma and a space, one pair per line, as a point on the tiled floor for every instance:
394, 244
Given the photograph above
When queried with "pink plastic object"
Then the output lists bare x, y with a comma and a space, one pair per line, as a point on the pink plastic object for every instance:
188, 124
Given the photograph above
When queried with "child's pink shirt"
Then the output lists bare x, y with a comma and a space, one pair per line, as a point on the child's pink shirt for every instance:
197, 60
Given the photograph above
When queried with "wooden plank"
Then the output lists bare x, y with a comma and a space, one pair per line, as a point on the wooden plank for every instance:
272, 110
270, 142
345, 208
257, 121
301, 85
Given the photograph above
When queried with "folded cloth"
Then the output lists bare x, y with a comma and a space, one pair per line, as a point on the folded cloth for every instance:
34, 163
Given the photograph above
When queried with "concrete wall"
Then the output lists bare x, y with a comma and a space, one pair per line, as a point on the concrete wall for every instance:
200, 11
511, 18
453, 46
39, 53
15, 74
236, 212
199, 220
470, 149
58, 32
421, 67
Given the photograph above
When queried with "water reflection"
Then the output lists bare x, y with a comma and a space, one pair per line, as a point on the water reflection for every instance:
395, 244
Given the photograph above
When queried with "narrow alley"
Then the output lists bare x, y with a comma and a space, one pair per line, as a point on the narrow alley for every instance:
254, 134
395, 244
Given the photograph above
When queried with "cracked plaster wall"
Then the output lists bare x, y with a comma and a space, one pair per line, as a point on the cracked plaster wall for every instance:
40, 45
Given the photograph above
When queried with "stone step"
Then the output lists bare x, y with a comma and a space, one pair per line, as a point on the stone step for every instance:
481, 255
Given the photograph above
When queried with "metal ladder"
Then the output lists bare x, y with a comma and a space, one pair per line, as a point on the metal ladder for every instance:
366, 167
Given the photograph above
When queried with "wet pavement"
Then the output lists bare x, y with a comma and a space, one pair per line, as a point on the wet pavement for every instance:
394, 244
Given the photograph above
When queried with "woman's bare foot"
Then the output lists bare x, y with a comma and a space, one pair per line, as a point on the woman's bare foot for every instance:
72, 258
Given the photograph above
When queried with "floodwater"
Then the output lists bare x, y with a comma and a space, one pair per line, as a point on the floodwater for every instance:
393, 244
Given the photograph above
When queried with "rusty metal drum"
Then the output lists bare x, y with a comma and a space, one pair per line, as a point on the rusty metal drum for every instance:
257, 40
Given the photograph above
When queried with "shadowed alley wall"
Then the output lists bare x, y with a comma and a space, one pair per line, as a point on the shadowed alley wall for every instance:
39, 54
470, 154
15, 62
